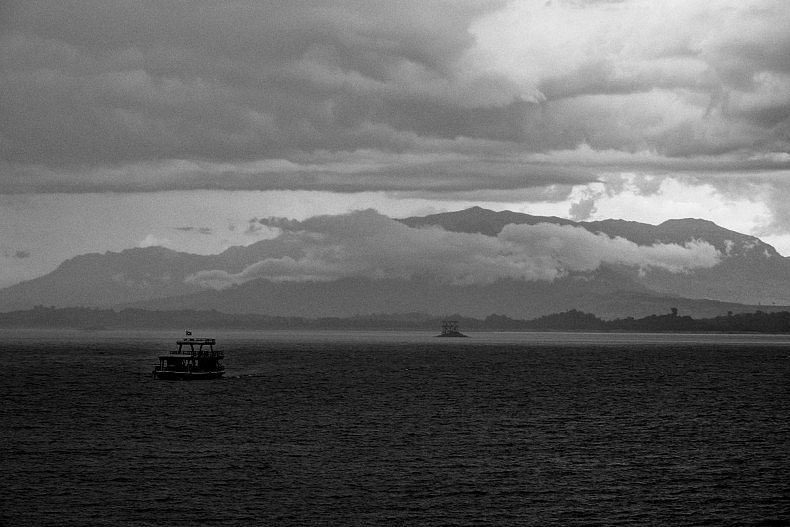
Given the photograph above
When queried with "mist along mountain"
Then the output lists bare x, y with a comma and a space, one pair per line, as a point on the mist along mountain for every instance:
749, 275
750, 271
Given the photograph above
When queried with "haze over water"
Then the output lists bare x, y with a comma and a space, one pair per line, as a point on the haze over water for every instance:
397, 428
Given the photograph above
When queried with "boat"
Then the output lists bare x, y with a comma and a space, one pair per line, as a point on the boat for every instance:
450, 329
196, 358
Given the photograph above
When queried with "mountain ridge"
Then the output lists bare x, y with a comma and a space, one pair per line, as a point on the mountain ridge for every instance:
750, 273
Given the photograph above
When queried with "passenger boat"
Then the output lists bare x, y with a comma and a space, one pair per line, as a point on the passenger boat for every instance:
195, 359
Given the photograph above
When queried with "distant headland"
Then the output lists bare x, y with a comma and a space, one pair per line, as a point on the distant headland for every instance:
573, 320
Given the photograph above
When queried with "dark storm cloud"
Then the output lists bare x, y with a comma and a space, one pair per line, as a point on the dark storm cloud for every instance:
17, 254
444, 97
199, 230
339, 172
104, 82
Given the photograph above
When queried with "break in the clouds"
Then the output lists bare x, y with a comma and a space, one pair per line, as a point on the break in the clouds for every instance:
422, 96
368, 244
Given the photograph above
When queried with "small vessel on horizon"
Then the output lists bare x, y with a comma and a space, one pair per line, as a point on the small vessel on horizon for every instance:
450, 329
196, 358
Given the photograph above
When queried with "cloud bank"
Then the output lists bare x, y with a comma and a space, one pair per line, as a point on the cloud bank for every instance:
438, 99
368, 244
349, 95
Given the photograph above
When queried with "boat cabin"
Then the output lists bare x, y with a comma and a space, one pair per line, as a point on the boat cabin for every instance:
195, 358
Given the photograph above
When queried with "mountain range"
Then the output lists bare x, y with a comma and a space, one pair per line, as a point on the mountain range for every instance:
748, 275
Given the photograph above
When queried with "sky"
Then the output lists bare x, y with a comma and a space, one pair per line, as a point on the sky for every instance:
188, 124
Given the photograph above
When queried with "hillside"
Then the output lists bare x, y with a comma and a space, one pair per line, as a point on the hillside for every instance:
750, 271
749, 275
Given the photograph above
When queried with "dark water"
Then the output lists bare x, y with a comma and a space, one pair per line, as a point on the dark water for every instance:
327, 429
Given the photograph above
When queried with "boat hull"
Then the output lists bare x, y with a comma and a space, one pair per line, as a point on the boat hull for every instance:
187, 375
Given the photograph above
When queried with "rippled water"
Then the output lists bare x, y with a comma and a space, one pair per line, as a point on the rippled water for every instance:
376, 428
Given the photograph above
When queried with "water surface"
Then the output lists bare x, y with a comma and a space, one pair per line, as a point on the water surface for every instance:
328, 428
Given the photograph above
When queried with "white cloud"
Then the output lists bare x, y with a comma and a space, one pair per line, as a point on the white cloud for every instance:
152, 240
370, 245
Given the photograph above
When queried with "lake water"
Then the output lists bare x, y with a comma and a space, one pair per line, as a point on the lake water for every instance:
397, 429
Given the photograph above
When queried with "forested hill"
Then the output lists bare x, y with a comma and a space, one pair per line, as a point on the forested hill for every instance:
573, 320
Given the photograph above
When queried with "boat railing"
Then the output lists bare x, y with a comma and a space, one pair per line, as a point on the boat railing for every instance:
197, 340
200, 354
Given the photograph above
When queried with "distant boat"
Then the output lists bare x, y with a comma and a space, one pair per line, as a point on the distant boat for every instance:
195, 359
450, 329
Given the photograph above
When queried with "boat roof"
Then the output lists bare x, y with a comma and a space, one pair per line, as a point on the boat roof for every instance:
190, 340
188, 354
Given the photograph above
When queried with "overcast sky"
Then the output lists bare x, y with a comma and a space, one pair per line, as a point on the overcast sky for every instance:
182, 124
